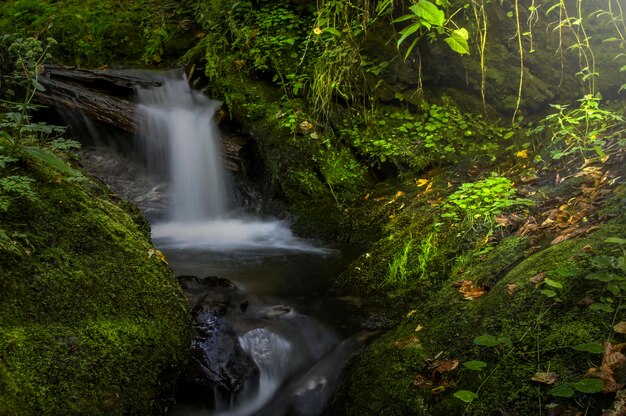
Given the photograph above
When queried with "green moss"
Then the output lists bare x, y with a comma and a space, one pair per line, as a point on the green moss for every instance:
90, 322
543, 331
378, 382
96, 33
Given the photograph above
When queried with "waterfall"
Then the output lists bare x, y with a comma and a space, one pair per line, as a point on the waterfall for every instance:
182, 144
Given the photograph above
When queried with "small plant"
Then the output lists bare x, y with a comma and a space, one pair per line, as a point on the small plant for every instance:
498, 343
482, 200
609, 270
398, 272
21, 139
585, 129
427, 18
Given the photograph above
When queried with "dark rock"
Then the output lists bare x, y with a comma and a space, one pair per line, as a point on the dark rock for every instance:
189, 282
216, 358
375, 322
215, 302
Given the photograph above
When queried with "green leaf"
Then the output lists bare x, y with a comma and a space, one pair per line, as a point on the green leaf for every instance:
37, 85
589, 385
506, 341
602, 276
615, 240
486, 341
590, 347
601, 307
465, 395
548, 293
49, 159
333, 31
564, 390
408, 31
457, 41
429, 12
403, 18
475, 365
553, 283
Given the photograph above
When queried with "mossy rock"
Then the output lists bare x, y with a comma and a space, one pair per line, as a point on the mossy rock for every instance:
92, 322
537, 301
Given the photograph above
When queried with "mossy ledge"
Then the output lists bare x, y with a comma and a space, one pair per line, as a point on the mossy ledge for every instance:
90, 322
397, 374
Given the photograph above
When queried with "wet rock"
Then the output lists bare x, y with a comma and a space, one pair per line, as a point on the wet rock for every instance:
375, 322
274, 311
216, 358
215, 302
189, 282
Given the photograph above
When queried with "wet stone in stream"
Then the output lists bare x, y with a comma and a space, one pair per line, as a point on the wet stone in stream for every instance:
216, 358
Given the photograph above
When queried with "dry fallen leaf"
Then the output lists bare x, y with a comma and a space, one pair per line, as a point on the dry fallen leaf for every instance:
418, 328
586, 301
411, 341
545, 378
565, 410
538, 278
620, 327
512, 288
443, 366
423, 382
421, 182
613, 362
619, 405
587, 249
468, 290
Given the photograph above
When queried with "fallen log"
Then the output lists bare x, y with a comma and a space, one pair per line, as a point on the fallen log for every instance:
104, 108
121, 83
105, 96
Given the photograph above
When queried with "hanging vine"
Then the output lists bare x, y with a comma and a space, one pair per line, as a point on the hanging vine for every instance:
480, 17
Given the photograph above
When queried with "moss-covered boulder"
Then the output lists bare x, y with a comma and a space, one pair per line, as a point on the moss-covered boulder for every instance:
525, 341
92, 320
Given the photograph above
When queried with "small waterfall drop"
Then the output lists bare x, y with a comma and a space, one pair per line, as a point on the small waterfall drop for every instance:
203, 234
182, 141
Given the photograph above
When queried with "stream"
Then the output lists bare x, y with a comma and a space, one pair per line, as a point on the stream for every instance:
271, 338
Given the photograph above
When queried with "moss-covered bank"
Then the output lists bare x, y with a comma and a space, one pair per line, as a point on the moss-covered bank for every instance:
541, 301
91, 322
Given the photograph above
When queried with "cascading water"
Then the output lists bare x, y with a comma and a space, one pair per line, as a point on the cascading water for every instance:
296, 356
182, 140
182, 146
268, 334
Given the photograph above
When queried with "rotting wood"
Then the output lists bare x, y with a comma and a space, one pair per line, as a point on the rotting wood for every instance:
105, 96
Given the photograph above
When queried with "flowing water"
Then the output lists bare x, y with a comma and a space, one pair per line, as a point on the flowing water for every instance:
299, 351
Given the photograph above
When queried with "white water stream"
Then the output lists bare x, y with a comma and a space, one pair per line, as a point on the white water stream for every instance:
182, 146
297, 356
